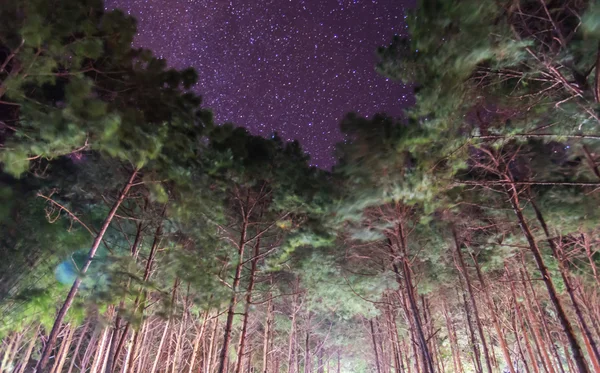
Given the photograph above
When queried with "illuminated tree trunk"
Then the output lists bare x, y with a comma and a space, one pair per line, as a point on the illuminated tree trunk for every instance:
546, 361
100, 351
393, 336
116, 346
89, 350
234, 286
60, 316
456, 360
28, 351
61, 357
513, 195
406, 275
13, 344
196, 347
492, 308
588, 337
307, 366
374, 346
530, 352
267, 334
212, 347
292, 340
160, 346
246, 314
463, 270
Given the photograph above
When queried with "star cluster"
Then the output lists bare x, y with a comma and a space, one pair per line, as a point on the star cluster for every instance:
294, 67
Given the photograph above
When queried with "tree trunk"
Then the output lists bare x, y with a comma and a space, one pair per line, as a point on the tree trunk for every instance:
211, 347
463, 270
474, 347
100, 351
458, 368
233, 300
267, 335
53, 336
375, 346
64, 350
533, 246
27, 356
492, 308
115, 346
546, 361
530, 352
160, 346
242, 341
196, 346
393, 336
588, 337
407, 276
89, 350
292, 340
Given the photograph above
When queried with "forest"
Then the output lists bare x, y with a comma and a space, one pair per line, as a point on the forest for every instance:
138, 235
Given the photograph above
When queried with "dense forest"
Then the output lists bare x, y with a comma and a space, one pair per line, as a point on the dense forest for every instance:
137, 235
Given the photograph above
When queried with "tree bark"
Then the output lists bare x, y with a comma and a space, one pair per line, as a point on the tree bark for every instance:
242, 341
463, 270
530, 352
267, 335
234, 286
513, 195
588, 337
374, 340
64, 350
53, 336
27, 356
492, 308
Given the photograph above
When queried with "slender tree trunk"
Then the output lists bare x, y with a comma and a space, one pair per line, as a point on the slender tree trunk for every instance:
242, 341
519, 347
267, 335
413, 338
532, 358
453, 340
141, 358
407, 276
100, 351
197, 341
115, 346
492, 308
212, 347
64, 350
89, 350
160, 346
533, 246
235, 286
375, 346
546, 361
28, 351
588, 337
292, 339
12, 344
307, 349
474, 347
60, 316
78, 345
393, 336
463, 270
128, 353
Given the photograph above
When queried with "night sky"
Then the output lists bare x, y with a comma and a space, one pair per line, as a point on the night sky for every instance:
290, 66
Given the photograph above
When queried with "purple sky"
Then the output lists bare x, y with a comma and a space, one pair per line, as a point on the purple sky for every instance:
291, 66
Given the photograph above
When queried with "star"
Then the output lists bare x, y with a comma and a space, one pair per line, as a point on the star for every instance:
294, 67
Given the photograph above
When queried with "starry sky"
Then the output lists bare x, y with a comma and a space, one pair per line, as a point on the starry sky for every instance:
295, 67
